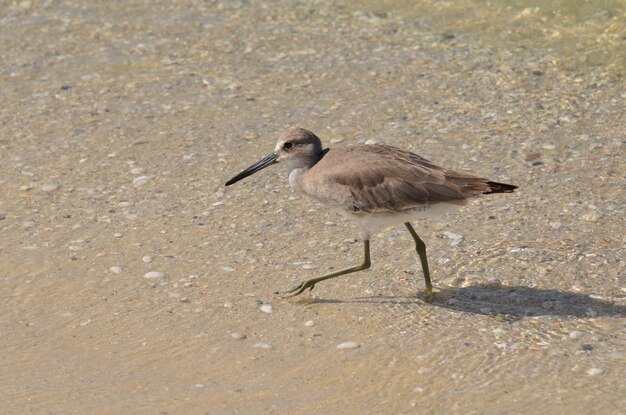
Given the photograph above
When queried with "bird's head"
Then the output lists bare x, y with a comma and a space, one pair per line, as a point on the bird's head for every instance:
295, 147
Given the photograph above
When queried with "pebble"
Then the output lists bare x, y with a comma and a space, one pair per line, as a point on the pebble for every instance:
141, 180
3, 216
115, 269
348, 345
530, 157
452, 235
594, 371
238, 336
117, 235
456, 238
556, 225
147, 259
592, 216
575, 335
309, 266
228, 269
153, 274
309, 323
250, 135
263, 346
498, 331
50, 187
266, 308
138, 170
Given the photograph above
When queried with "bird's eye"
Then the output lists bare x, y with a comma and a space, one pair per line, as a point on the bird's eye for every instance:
287, 145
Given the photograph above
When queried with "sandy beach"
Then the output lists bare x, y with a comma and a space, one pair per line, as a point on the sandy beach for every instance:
133, 282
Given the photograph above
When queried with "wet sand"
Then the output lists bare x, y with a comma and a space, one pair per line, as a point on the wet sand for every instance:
121, 123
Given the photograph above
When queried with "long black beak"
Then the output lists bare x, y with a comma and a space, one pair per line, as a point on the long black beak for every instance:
259, 165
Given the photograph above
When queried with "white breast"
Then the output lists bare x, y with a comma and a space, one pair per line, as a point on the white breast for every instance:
370, 223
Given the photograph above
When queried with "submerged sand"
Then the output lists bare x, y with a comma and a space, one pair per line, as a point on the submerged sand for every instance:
132, 281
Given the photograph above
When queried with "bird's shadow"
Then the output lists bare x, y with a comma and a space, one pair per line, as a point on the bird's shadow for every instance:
513, 302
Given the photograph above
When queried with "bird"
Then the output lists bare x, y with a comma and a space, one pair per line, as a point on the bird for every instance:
375, 185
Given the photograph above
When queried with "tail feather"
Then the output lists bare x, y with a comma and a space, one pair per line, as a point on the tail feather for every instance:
495, 187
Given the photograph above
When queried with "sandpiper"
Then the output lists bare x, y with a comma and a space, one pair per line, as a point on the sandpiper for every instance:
375, 185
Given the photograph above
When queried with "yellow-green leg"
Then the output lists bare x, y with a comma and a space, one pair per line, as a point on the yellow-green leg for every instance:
420, 247
299, 288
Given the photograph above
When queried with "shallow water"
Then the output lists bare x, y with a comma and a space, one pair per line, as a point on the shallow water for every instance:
121, 122
580, 34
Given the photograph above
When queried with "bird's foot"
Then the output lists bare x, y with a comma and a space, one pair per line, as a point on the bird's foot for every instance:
297, 289
429, 295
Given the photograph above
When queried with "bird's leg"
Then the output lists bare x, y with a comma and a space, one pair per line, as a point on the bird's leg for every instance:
420, 247
299, 288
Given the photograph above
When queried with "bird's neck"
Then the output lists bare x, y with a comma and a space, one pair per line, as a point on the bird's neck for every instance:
295, 177
298, 169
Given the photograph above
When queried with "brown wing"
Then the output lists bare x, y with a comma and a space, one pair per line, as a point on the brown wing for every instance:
382, 178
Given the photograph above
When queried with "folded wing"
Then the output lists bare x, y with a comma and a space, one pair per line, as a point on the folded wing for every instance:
383, 178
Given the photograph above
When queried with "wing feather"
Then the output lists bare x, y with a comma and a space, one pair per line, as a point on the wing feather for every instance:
382, 178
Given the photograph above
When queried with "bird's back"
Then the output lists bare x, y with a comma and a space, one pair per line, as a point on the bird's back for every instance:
383, 178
